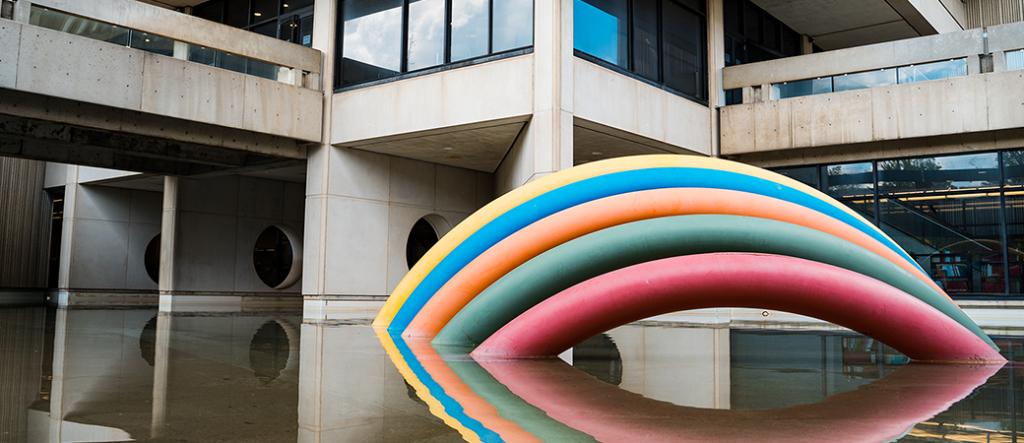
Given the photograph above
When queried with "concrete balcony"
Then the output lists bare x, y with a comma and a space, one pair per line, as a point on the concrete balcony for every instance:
980, 106
74, 99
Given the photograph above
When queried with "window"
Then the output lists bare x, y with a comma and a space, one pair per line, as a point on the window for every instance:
659, 40
752, 35
381, 39
288, 20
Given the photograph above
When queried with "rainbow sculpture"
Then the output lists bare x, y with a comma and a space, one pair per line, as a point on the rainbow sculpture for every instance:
600, 245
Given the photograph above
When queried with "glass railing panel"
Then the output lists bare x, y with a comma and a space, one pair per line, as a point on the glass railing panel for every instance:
801, 88
924, 176
1015, 59
932, 71
78, 26
152, 43
861, 80
135, 39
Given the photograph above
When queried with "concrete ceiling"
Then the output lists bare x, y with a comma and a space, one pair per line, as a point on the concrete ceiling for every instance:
172, 4
590, 145
480, 147
837, 24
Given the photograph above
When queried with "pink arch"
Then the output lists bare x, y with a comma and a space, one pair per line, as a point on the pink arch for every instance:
766, 281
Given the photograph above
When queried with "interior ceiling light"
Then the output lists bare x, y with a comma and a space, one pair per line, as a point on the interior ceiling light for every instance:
257, 14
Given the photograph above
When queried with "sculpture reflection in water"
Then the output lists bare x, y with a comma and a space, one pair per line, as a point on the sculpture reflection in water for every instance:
521, 400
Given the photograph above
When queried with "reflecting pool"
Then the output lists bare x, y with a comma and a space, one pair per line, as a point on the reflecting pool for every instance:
94, 375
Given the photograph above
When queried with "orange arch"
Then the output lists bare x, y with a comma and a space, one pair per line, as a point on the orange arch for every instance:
593, 216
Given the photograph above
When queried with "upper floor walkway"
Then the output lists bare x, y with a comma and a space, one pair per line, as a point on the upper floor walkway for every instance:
126, 85
954, 91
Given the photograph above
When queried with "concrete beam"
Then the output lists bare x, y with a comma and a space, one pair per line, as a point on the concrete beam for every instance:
87, 115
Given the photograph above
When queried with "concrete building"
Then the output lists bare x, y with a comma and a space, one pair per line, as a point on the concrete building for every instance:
230, 153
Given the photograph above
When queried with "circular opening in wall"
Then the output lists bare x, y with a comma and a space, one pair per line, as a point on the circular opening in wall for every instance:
152, 259
422, 237
277, 257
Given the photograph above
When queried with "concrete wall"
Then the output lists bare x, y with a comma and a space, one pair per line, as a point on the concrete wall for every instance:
217, 223
106, 233
24, 224
57, 64
373, 201
486, 92
667, 120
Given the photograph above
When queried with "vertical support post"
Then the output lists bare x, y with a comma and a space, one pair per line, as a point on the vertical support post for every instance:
23, 11
716, 62
168, 240
161, 364
552, 122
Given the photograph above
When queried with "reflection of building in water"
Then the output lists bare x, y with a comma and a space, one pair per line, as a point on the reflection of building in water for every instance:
396, 119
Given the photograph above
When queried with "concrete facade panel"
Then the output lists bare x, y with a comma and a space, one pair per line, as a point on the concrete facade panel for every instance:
1007, 37
277, 108
294, 202
313, 271
1005, 94
359, 174
412, 182
738, 128
356, 263
400, 222
57, 64
205, 252
778, 127
961, 105
103, 203
10, 34
56, 175
259, 198
211, 196
938, 47
499, 90
626, 104
99, 254
455, 189
192, 91
147, 207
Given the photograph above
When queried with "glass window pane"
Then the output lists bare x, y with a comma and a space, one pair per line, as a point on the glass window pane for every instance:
771, 33
213, 11
932, 71
237, 13
953, 237
801, 88
790, 42
372, 41
513, 25
1013, 169
1015, 60
931, 174
645, 38
861, 80
849, 180
751, 22
684, 50
305, 34
733, 12
469, 28
602, 29
267, 29
853, 184
152, 43
426, 34
263, 10
807, 175
1015, 237
294, 5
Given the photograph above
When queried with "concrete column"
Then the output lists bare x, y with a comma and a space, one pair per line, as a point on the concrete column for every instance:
716, 62
553, 86
546, 143
806, 45
161, 365
168, 235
